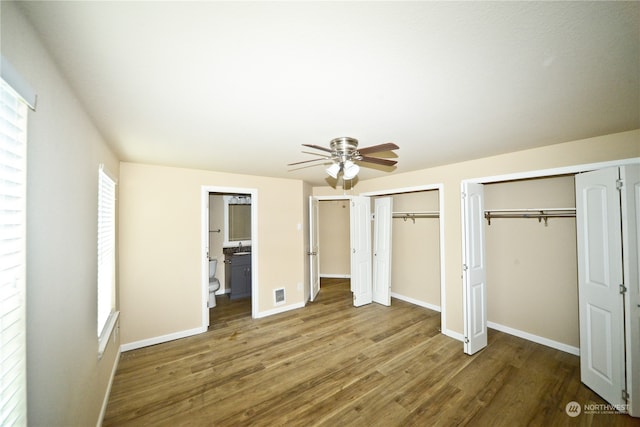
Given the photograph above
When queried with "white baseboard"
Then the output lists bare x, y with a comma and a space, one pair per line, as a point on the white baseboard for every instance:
535, 338
417, 302
335, 276
280, 310
453, 334
164, 338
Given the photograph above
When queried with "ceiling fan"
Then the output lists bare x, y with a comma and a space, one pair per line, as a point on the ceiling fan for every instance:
344, 152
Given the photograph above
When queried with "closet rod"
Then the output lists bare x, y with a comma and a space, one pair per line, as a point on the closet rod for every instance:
413, 215
540, 214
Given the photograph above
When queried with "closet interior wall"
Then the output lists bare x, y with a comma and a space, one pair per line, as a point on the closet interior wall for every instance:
532, 283
334, 238
415, 254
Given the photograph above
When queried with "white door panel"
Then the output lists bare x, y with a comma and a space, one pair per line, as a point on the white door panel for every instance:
314, 258
360, 222
630, 204
598, 223
382, 250
475, 275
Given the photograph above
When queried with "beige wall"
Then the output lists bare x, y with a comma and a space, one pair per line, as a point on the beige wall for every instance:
415, 266
161, 273
532, 282
334, 247
622, 145
66, 382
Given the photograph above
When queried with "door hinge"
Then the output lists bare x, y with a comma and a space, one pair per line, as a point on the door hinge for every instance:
373, 217
466, 340
623, 289
464, 267
464, 194
619, 184
625, 395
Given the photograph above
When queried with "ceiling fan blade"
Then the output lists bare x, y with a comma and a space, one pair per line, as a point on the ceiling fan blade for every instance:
384, 162
307, 161
318, 147
378, 148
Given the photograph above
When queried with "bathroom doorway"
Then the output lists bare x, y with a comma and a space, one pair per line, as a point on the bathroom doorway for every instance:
229, 242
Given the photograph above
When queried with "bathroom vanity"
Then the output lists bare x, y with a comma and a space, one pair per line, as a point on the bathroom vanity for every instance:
238, 275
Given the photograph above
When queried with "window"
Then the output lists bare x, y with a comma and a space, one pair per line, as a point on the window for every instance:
106, 257
13, 140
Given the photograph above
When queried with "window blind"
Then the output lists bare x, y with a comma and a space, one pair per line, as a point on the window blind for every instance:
13, 138
106, 251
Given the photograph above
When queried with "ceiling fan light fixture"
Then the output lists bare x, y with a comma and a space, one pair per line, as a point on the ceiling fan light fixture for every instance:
333, 170
350, 170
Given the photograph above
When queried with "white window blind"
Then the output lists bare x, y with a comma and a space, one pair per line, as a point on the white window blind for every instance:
13, 138
106, 255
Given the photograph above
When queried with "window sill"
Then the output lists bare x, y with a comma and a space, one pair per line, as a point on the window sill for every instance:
103, 339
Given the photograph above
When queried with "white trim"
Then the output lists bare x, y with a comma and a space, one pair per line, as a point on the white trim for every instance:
535, 338
206, 189
566, 170
453, 334
162, 339
280, 310
105, 401
428, 187
416, 302
335, 276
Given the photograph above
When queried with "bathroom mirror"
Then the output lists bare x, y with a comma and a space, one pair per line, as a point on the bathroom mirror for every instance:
237, 220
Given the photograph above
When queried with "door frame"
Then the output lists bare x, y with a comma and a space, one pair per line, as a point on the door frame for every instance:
255, 288
429, 187
633, 381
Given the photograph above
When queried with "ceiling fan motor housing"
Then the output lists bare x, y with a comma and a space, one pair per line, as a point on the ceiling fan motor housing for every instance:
345, 148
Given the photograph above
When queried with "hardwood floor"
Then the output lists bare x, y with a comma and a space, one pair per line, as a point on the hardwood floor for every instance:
330, 364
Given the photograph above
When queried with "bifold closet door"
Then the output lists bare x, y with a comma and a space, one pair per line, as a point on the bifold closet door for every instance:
314, 238
474, 295
598, 221
360, 222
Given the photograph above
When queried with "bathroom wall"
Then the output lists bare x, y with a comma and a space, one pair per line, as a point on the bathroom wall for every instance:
216, 222
66, 381
334, 245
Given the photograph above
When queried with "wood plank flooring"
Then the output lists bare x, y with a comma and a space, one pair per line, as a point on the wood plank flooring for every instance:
330, 364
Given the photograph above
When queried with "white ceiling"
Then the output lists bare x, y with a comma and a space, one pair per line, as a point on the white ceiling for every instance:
237, 87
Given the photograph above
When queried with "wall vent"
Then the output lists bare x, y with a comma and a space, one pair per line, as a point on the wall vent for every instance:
278, 296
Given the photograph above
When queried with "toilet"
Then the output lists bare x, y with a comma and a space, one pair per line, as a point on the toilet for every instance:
214, 284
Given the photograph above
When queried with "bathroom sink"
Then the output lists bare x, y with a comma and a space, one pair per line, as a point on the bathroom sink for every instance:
242, 253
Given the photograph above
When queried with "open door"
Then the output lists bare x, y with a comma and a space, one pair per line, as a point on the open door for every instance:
314, 238
600, 284
474, 269
383, 208
360, 222
630, 205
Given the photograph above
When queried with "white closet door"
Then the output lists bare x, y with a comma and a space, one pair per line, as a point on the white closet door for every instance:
602, 356
631, 261
360, 217
382, 250
474, 269
314, 259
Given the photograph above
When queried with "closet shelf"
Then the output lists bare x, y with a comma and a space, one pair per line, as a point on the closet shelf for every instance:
539, 214
416, 215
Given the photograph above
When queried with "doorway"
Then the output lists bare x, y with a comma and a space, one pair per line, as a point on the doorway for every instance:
230, 236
